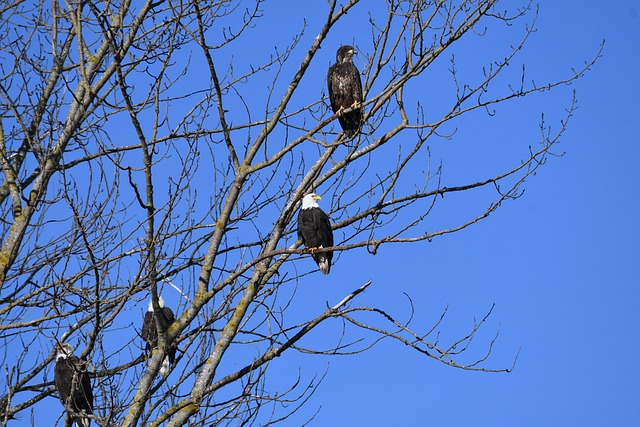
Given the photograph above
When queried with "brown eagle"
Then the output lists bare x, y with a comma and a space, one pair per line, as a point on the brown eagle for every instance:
345, 90
166, 317
314, 229
73, 385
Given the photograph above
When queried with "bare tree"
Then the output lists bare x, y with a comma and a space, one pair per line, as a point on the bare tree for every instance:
151, 145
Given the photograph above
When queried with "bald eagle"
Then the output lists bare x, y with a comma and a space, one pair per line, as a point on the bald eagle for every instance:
73, 385
150, 332
345, 90
315, 231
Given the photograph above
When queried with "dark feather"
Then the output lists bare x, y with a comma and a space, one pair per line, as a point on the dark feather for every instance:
314, 229
150, 330
345, 89
74, 387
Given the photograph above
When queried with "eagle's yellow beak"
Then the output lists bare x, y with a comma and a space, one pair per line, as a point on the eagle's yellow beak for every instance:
316, 197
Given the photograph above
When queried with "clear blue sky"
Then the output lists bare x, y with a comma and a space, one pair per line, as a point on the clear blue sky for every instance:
561, 265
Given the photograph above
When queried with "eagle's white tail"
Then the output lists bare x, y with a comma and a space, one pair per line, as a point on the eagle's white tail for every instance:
323, 263
164, 369
82, 422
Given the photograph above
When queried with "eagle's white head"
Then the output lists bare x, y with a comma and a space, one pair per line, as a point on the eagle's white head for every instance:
64, 350
310, 201
160, 303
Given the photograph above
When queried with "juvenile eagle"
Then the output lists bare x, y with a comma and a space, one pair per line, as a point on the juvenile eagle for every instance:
73, 385
315, 231
150, 332
345, 90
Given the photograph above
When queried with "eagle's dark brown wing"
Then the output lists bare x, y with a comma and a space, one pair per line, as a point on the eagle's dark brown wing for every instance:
150, 330
345, 89
73, 385
314, 229
149, 327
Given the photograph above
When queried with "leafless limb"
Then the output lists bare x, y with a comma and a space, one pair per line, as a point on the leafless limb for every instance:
147, 148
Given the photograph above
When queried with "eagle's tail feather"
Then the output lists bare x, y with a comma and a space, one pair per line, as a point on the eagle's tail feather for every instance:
323, 263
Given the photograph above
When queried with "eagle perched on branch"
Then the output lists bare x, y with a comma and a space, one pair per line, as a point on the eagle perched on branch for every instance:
345, 90
166, 317
73, 385
314, 229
